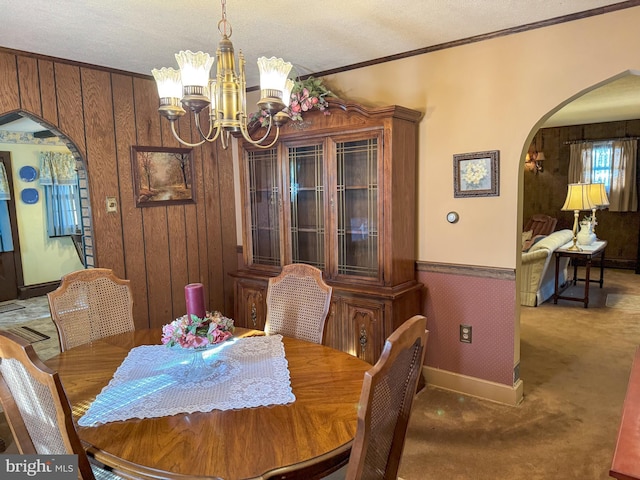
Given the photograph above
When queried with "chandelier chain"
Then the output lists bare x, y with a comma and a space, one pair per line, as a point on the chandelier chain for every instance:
224, 27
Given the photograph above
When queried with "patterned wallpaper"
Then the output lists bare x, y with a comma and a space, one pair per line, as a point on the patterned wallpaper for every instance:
28, 138
453, 299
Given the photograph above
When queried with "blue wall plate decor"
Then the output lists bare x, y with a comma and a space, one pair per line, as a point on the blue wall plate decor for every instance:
28, 173
30, 195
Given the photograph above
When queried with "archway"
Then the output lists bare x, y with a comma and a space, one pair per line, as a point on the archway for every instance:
608, 109
24, 142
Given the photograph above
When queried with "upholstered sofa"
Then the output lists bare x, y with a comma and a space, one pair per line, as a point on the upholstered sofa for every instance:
537, 280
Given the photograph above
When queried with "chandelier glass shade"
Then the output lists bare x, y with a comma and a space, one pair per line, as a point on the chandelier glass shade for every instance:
190, 88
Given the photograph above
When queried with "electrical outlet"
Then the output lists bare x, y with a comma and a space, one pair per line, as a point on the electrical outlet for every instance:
112, 204
465, 333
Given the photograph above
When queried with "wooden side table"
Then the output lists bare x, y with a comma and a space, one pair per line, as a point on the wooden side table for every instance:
586, 254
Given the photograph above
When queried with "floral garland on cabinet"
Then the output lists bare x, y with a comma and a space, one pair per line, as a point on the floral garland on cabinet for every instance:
308, 94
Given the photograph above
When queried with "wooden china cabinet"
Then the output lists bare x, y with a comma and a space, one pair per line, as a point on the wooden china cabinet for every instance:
337, 192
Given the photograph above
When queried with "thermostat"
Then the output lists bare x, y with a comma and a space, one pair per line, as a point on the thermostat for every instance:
452, 217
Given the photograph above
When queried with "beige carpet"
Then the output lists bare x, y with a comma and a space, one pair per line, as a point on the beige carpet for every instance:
626, 302
575, 365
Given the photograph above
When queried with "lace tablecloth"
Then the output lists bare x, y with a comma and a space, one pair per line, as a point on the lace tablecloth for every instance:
152, 381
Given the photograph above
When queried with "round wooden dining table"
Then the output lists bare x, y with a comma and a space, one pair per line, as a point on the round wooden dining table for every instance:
305, 439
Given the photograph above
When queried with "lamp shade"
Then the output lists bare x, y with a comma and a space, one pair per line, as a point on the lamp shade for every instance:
598, 195
286, 95
540, 157
273, 73
578, 197
194, 68
168, 82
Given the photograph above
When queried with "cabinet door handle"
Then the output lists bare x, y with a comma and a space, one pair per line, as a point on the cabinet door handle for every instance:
363, 339
254, 314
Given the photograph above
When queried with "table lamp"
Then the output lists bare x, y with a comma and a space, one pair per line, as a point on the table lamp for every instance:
577, 199
599, 199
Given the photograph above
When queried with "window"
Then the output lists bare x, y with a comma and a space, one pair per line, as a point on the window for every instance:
602, 164
612, 162
63, 210
59, 179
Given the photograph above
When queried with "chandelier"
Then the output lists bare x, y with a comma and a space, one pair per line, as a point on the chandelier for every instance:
225, 95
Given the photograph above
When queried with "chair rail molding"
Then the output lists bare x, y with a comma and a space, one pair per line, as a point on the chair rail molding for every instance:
468, 270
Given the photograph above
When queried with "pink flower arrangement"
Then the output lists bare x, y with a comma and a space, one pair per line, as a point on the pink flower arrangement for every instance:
307, 94
197, 332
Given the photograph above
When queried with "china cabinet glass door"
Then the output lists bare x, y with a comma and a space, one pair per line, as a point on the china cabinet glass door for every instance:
357, 207
263, 203
307, 194
328, 195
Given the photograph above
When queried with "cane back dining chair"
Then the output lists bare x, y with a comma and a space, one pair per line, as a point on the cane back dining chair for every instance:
297, 303
37, 408
91, 304
385, 404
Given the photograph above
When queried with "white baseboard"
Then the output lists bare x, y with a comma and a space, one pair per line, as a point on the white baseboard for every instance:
475, 387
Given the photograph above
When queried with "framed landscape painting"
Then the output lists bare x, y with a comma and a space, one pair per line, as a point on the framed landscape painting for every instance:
476, 174
162, 176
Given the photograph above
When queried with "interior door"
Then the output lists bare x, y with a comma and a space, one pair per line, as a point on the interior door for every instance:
10, 263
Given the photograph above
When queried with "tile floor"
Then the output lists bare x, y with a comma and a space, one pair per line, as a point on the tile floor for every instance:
34, 309
36, 315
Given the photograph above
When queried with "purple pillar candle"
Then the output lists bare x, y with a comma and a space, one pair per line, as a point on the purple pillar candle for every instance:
194, 296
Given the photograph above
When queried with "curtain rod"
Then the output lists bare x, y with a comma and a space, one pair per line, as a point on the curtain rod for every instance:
600, 140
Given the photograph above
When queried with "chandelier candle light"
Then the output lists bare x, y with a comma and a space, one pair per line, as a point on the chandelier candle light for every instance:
225, 96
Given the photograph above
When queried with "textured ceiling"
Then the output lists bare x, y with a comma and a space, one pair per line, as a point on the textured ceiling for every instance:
138, 35
617, 100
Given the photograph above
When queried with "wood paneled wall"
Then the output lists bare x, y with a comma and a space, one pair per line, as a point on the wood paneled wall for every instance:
161, 248
546, 191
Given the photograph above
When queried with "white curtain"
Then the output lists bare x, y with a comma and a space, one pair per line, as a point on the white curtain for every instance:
623, 196
580, 162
